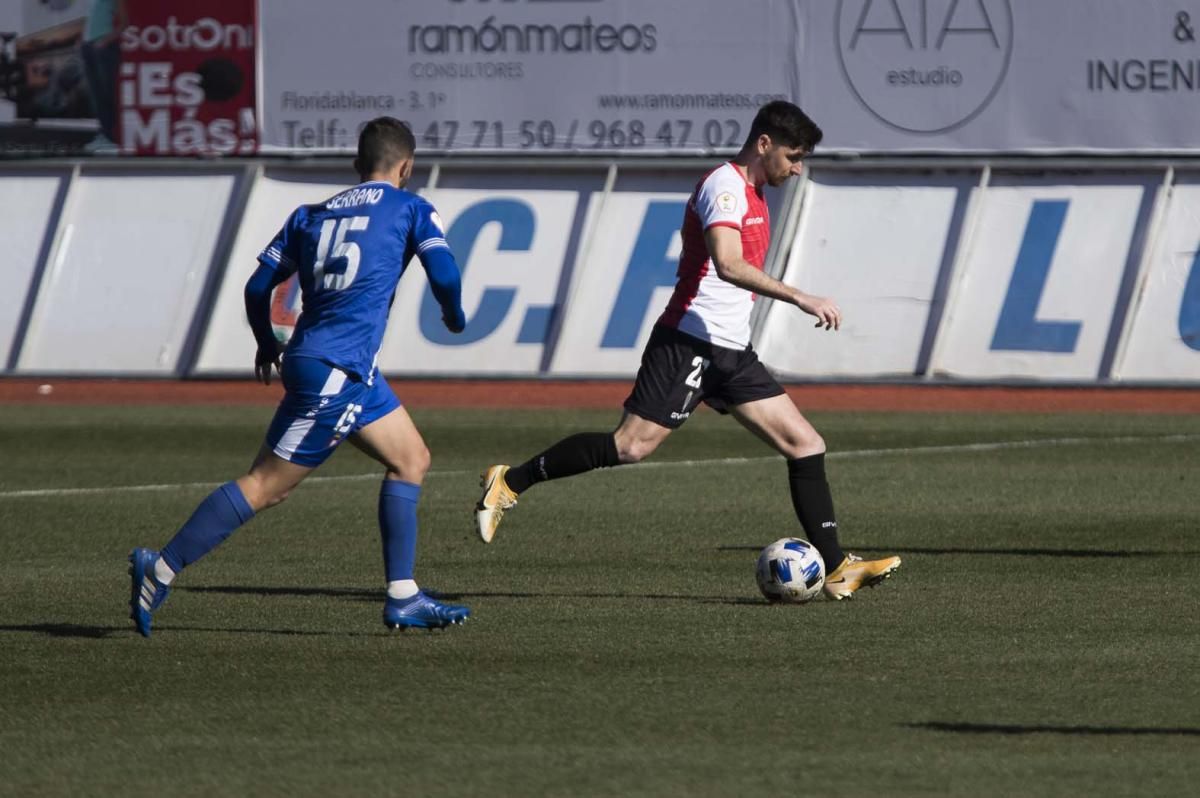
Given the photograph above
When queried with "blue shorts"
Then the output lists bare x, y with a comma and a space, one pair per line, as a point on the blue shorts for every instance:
322, 406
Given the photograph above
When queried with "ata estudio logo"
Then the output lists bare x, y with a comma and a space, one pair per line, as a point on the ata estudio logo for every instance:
924, 66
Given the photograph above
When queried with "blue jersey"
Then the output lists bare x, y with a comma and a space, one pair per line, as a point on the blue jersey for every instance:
349, 252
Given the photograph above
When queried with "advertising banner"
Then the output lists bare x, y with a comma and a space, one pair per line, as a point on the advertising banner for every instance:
525, 75
1164, 339
124, 280
128, 77
25, 229
877, 245
1039, 288
1002, 75
186, 81
171, 77
687, 75
1067, 278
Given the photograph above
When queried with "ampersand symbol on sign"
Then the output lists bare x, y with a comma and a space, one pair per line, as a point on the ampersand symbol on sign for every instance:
1183, 27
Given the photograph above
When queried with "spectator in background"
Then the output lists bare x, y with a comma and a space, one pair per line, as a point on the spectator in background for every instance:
101, 51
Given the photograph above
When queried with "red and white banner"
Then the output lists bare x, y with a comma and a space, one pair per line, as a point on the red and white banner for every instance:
187, 78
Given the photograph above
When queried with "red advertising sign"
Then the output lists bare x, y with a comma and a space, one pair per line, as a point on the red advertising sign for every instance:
187, 78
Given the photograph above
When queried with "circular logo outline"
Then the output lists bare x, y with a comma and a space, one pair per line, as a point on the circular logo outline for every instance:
837, 40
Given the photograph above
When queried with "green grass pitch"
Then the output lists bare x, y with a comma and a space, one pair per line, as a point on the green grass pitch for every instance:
1041, 637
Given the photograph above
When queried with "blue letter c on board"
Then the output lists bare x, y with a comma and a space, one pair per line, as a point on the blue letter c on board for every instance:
517, 223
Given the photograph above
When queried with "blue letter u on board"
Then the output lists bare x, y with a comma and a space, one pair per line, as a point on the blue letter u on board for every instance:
1189, 307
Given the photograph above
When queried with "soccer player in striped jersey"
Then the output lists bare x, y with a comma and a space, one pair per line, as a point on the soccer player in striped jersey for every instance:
348, 252
699, 351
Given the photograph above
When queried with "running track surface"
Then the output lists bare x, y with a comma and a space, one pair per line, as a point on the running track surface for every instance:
610, 394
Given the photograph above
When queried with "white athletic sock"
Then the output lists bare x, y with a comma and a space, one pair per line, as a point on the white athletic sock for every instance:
163, 572
402, 589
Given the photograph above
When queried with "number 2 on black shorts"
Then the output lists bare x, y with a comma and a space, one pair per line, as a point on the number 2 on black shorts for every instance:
692, 380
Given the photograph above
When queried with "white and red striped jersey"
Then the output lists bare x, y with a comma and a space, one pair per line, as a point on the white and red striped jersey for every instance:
704, 305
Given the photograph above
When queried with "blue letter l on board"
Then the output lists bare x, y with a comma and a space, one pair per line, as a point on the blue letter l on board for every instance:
1018, 329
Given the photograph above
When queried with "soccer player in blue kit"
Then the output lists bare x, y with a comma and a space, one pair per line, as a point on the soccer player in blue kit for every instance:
349, 252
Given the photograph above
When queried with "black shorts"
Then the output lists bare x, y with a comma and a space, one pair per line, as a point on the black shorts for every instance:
679, 371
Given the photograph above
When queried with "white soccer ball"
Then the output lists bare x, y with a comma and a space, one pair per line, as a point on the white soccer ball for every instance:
790, 570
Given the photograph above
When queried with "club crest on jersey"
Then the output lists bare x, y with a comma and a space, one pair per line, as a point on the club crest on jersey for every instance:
726, 202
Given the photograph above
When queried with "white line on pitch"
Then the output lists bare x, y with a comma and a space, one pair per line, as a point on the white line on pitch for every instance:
20, 494
948, 449
717, 461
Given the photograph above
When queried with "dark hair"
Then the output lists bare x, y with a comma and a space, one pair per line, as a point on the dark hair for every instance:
786, 124
383, 142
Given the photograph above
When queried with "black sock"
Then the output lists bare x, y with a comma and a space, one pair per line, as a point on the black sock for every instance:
570, 456
814, 507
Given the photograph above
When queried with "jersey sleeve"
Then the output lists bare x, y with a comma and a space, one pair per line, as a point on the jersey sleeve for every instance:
281, 254
428, 232
721, 200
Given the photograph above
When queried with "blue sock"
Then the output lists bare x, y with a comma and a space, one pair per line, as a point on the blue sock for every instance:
223, 511
398, 527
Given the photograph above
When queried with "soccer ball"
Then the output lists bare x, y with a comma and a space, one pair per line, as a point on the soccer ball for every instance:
790, 570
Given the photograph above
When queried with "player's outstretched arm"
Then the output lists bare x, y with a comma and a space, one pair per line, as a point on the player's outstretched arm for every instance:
445, 280
258, 312
725, 250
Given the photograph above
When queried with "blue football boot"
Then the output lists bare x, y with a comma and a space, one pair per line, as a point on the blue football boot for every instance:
146, 593
421, 612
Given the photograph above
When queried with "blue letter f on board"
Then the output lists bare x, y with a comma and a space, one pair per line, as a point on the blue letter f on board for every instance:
1018, 328
649, 268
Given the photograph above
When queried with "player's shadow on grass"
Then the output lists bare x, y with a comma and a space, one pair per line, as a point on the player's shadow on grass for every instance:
510, 594
371, 595
363, 594
232, 630
1084, 731
352, 593
73, 630
1014, 552
66, 630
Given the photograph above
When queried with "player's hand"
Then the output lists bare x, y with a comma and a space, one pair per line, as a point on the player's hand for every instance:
828, 314
455, 321
264, 359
